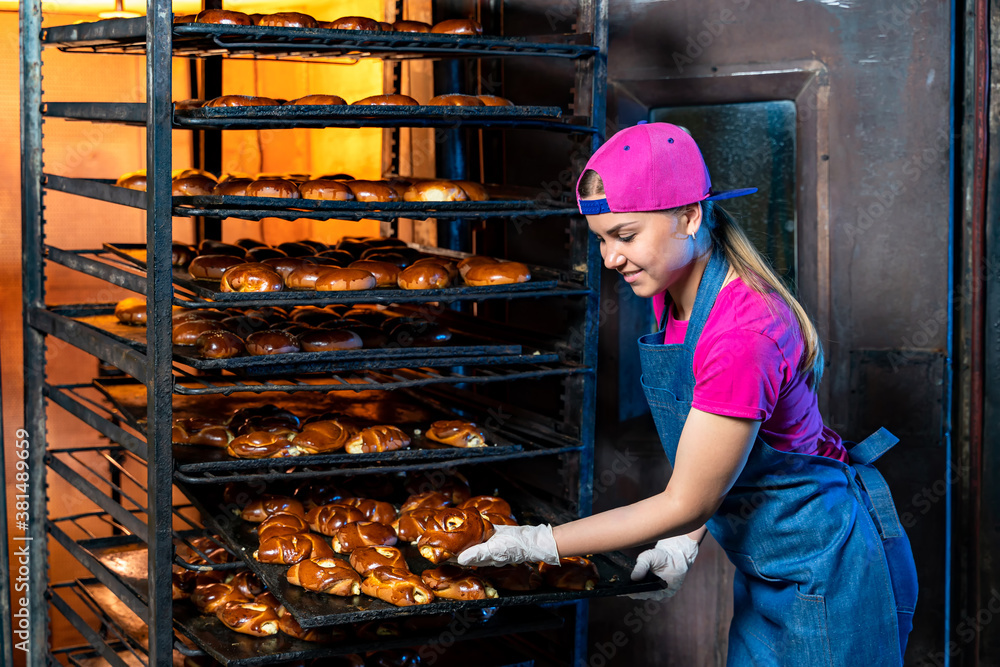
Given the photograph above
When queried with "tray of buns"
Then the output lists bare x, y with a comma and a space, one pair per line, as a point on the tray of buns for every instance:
202, 39
598, 575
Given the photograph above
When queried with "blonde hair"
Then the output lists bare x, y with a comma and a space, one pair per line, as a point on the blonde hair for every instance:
750, 265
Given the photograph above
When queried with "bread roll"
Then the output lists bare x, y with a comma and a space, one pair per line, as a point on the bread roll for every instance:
304, 277
500, 273
495, 101
131, 311
219, 345
251, 277
398, 587
211, 436
223, 17
412, 524
234, 187
285, 266
458, 27
426, 500
261, 445
451, 532
455, 100
353, 23
443, 262
325, 575
388, 100
135, 180
187, 333
379, 191
330, 340
192, 186
281, 523
378, 511
181, 254
469, 262
338, 280
318, 100
424, 276
271, 342
287, 20
327, 190
328, 519
211, 267
211, 597
260, 254
273, 187
291, 549
474, 191
455, 583
249, 618
378, 439
435, 191
451, 483
386, 274
573, 574
411, 26
366, 559
241, 101
259, 509
352, 536
457, 433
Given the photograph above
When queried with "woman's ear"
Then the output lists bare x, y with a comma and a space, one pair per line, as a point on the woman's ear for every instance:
690, 220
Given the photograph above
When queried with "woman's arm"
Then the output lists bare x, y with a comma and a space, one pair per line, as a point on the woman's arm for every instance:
710, 456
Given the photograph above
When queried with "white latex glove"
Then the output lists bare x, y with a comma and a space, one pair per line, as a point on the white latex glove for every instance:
669, 560
514, 544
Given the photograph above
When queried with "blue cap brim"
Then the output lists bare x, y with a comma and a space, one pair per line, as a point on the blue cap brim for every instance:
729, 194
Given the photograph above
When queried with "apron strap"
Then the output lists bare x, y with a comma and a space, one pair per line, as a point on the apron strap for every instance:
708, 290
883, 508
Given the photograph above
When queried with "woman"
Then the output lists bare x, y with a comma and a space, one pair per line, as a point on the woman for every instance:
824, 571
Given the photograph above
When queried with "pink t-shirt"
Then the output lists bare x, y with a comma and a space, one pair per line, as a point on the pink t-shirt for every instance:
745, 365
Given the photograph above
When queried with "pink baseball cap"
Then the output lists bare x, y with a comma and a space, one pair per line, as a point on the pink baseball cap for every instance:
651, 167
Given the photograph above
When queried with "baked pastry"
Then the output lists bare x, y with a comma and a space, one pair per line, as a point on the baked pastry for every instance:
234, 187
374, 510
192, 186
452, 531
223, 17
443, 262
363, 534
241, 101
210, 597
135, 180
520, 577
424, 276
458, 27
304, 277
338, 280
211, 247
291, 549
377, 439
187, 333
412, 524
324, 436
273, 187
488, 505
474, 191
326, 189
366, 559
386, 274
131, 311
353, 23
271, 342
500, 273
329, 340
379, 191
475, 260
328, 519
181, 254
263, 418
258, 255
455, 583
451, 483
211, 267
247, 583
341, 257
262, 445
573, 574
455, 100
251, 277
427, 500
249, 618
287, 20
218, 344
435, 190
395, 586
388, 100
281, 523
285, 265
457, 434
411, 26
325, 575
495, 101
261, 508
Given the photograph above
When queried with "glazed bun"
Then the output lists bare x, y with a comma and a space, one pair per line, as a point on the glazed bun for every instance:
131, 311
455, 100
353, 23
494, 101
336, 280
241, 101
297, 249
458, 27
424, 276
411, 26
210, 247
326, 189
273, 187
474, 260
211, 267
192, 186
260, 254
500, 273
389, 100
285, 266
135, 180
379, 191
435, 191
234, 187
474, 191
251, 277
317, 100
328, 340
386, 274
223, 17
271, 342
187, 333
304, 277
287, 20
219, 345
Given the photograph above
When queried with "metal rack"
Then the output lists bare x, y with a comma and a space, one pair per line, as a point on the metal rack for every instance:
138, 506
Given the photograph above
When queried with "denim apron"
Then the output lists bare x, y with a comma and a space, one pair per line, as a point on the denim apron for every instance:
824, 571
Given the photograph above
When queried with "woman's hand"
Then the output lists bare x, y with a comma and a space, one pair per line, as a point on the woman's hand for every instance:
669, 560
514, 544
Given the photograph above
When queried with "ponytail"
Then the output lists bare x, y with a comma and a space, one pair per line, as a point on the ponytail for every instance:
756, 272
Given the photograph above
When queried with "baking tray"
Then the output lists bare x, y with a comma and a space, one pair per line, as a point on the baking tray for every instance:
541, 279
316, 609
128, 559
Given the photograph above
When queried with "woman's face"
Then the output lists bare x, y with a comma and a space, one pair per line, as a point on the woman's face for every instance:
651, 250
